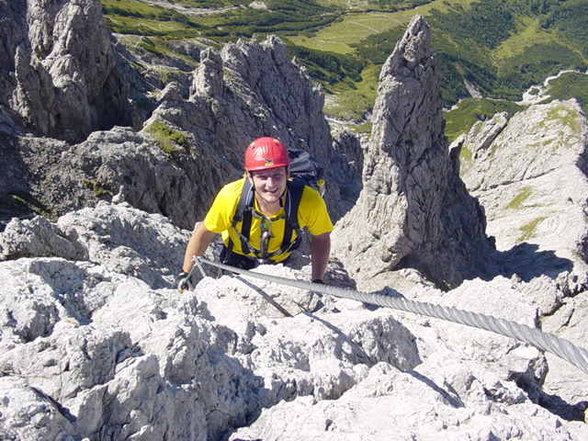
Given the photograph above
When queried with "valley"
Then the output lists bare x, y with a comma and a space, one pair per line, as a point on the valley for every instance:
498, 47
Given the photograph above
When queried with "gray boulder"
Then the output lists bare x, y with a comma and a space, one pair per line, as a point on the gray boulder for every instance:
123, 239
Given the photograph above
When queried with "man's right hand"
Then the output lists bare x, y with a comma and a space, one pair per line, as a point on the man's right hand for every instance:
184, 282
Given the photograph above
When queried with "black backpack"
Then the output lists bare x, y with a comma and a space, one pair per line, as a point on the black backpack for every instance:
304, 170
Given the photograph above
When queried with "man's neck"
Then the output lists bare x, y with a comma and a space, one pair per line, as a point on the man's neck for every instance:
266, 208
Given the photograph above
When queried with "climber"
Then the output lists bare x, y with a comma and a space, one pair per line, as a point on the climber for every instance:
260, 216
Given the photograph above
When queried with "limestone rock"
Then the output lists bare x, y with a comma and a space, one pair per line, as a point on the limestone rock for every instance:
101, 346
248, 90
189, 148
37, 237
65, 77
414, 210
564, 385
420, 404
117, 162
109, 235
345, 170
531, 180
27, 413
208, 78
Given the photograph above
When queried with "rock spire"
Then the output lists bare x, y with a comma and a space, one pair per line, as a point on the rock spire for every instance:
414, 210
59, 69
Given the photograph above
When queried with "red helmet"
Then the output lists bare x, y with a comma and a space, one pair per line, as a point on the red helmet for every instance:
265, 153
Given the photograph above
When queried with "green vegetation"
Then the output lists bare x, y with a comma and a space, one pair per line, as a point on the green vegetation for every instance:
135, 8
328, 67
518, 200
503, 40
33, 206
342, 35
168, 139
500, 47
464, 115
136, 17
95, 186
535, 64
571, 85
376, 5
563, 115
528, 230
483, 24
364, 128
233, 20
350, 101
570, 21
465, 155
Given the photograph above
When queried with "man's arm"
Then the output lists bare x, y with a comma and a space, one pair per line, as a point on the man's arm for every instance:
197, 245
320, 248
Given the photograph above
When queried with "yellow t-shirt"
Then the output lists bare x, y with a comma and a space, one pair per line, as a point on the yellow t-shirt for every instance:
312, 214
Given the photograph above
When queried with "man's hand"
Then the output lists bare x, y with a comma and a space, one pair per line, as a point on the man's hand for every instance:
197, 245
184, 282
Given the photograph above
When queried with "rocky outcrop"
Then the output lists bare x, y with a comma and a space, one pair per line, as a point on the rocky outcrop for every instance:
249, 90
59, 71
529, 173
113, 355
345, 170
414, 210
190, 146
95, 344
109, 235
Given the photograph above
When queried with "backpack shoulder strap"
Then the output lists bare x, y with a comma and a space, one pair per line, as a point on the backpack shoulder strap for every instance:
293, 196
243, 213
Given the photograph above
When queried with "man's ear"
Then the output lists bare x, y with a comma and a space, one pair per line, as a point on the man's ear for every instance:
248, 177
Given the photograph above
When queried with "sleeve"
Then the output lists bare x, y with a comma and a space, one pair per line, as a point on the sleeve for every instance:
313, 213
220, 214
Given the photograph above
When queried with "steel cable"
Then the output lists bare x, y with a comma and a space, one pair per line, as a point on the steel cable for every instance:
548, 342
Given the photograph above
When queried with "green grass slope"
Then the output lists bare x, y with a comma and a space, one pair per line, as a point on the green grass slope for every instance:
499, 47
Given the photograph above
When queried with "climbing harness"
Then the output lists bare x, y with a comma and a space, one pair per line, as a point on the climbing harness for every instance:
547, 342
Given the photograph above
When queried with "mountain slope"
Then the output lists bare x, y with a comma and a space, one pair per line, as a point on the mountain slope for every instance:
495, 48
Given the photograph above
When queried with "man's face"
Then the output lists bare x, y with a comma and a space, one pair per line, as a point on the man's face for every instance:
270, 184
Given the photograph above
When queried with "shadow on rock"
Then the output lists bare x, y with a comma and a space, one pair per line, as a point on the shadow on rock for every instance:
525, 261
15, 198
452, 400
553, 403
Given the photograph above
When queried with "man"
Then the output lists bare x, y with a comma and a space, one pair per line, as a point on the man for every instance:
260, 216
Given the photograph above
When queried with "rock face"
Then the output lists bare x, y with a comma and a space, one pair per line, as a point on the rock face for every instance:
249, 90
414, 210
190, 146
95, 344
59, 74
529, 172
125, 165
